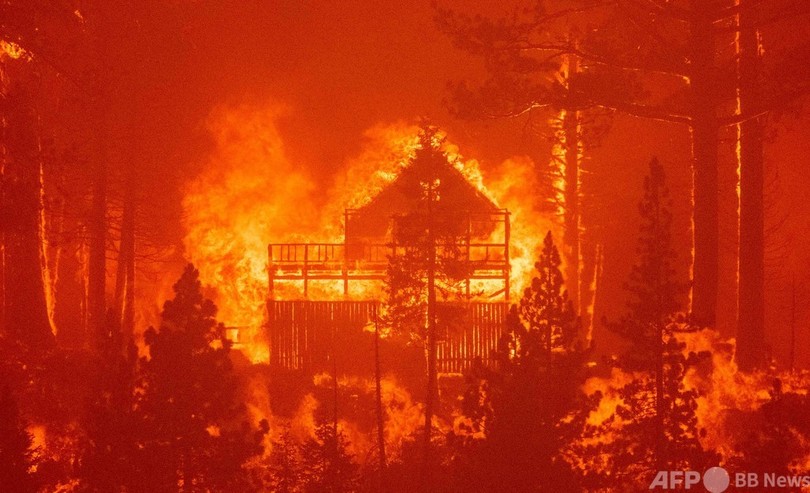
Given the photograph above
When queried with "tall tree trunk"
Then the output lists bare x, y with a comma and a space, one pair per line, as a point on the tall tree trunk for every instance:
751, 301
572, 214
379, 406
125, 270
25, 303
572, 208
705, 183
97, 282
432, 376
99, 332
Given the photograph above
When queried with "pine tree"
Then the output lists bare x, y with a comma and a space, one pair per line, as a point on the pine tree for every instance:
528, 406
545, 307
195, 431
652, 286
327, 465
657, 415
427, 265
17, 452
285, 464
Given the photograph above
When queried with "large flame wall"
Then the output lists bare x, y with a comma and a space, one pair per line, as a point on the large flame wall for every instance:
250, 194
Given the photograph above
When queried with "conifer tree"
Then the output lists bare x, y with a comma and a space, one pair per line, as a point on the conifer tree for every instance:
327, 466
657, 415
528, 406
285, 464
545, 306
427, 265
774, 438
195, 431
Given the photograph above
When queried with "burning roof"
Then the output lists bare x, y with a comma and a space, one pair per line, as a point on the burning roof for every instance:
404, 195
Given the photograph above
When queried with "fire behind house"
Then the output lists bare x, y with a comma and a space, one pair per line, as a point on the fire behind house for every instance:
430, 225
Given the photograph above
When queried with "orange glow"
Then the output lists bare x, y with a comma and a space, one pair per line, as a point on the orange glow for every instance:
12, 50
250, 195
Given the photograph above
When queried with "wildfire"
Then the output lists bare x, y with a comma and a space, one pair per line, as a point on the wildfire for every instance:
250, 195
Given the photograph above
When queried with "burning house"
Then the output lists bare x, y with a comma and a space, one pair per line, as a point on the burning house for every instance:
447, 235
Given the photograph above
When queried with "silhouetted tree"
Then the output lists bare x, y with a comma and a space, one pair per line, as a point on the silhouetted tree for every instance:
544, 86
194, 431
651, 45
17, 452
427, 265
285, 464
545, 307
109, 460
528, 406
327, 467
658, 425
24, 298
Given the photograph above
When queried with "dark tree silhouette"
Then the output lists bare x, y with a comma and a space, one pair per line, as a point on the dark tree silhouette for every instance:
427, 264
111, 424
545, 307
657, 412
285, 464
528, 406
17, 452
651, 45
327, 467
24, 305
194, 430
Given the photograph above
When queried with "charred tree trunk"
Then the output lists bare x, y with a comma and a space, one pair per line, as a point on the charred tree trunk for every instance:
25, 305
751, 302
705, 177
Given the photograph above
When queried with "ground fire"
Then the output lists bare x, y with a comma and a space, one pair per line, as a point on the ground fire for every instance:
432, 246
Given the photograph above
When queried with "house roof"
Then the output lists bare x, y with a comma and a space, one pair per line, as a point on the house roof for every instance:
406, 195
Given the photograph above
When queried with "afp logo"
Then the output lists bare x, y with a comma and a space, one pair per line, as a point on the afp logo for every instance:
715, 480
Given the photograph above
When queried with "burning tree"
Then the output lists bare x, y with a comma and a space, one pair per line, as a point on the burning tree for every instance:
663, 61
528, 406
548, 82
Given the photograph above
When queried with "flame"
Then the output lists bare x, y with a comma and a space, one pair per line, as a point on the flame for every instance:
403, 419
12, 50
249, 195
387, 148
609, 388
514, 185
